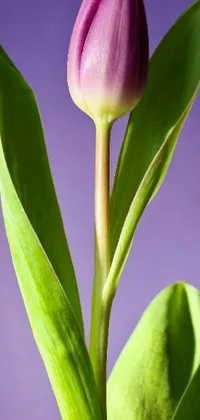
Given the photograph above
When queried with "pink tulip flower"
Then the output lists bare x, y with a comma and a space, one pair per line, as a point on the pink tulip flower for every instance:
108, 57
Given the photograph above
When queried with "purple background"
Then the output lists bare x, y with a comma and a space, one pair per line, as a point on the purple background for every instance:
36, 35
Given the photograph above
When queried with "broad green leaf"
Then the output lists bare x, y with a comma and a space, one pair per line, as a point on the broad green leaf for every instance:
39, 251
159, 359
189, 406
26, 157
152, 132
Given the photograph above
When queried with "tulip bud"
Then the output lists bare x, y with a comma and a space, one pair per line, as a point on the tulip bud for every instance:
108, 57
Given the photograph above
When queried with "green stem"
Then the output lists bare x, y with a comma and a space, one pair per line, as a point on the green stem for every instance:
100, 313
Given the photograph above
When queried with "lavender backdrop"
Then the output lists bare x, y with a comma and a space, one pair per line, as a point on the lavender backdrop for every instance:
167, 247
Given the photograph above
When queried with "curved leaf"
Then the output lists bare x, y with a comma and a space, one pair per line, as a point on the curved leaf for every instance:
159, 359
153, 130
26, 157
39, 250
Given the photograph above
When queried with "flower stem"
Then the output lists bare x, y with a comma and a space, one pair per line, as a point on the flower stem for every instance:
100, 313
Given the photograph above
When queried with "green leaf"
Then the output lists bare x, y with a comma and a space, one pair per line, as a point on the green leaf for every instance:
160, 358
39, 250
152, 132
189, 406
26, 157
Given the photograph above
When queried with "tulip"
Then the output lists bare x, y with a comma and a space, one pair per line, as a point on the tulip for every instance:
108, 58
107, 73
